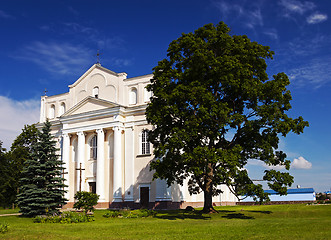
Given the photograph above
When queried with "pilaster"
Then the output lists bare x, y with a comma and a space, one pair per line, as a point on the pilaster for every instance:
129, 164
117, 174
65, 159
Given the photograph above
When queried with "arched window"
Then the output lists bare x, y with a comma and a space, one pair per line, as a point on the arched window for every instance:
94, 147
133, 96
95, 92
62, 108
145, 146
51, 111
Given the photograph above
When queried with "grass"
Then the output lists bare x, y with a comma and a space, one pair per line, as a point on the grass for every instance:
239, 222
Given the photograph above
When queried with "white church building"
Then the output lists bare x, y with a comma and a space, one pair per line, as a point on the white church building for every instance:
100, 127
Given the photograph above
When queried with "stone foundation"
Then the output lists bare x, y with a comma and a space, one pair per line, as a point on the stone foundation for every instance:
160, 205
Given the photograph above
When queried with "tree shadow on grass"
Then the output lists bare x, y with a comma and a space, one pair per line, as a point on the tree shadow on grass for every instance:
237, 216
265, 212
225, 211
181, 215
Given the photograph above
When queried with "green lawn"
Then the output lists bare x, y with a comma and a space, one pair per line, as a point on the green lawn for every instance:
235, 222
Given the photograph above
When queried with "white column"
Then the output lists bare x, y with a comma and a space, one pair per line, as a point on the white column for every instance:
65, 159
129, 164
81, 159
101, 165
117, 174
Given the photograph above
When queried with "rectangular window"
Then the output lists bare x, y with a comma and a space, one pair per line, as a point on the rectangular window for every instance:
93, 148
145, 144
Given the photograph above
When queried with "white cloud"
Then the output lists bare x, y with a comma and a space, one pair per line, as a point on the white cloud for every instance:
14, 115
317, 18
249, 14
55, 57
227, 8
260, 163
314, 74
301, 163
272, 33
297, 6
5, 15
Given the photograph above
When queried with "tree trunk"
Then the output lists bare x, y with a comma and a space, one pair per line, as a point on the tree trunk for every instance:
208, 196
208, 202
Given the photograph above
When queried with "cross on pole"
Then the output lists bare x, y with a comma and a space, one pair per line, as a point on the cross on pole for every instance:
63, 172
98, 57
45, 92
80, 176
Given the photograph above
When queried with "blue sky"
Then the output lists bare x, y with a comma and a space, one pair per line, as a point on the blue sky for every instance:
50, 44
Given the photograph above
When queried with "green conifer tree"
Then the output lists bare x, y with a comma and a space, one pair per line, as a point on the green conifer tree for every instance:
42, 182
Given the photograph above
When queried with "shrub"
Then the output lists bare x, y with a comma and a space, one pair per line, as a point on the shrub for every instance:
324, 201
86, 201
3, 227
65, 217
127, 213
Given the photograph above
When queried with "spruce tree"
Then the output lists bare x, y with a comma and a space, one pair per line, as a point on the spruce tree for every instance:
42, 182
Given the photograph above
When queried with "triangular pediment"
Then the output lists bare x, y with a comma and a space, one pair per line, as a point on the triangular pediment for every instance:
90, 104
90, 71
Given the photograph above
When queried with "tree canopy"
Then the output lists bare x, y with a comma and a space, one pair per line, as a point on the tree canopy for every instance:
214, 108
7, 179
12, 162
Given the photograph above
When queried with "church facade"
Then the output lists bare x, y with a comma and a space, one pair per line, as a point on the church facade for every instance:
101, 131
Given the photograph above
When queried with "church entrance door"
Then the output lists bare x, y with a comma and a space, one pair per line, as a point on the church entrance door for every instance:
144, 197
92, 186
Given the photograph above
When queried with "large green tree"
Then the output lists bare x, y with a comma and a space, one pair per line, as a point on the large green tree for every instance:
42, 182
20, 151
8, 187
214, 108
12, 162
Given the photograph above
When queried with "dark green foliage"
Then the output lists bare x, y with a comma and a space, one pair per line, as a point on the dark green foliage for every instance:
12, 162
86, 200
214, 108
42, 186
7, 179
63, 218
127, 213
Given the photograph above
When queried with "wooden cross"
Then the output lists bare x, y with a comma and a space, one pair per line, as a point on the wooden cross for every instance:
80, 176
63, 172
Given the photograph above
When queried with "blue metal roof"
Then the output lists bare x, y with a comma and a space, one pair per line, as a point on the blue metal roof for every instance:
292, 191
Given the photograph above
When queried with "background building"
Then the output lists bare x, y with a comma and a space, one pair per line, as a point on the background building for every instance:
296, 195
